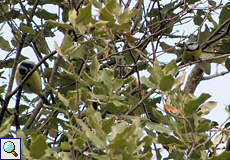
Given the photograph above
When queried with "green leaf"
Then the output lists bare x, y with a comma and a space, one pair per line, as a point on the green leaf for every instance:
167, 8
207, 107
84, 18
197, 19
146, 82
55, 2
5, 128
212, 3
166, 83
98, 156
63, 99
107, 75
212, 20
24, 150
193, 104
79, 142
96, 4
217, 140
4, 44
113, 7
116, 129
65, 146
168, 140
13, 14
227, 64
219, 60
79, 52
107, 16
72, 17
58, 24
42, 45
203, 127
124, 26
127, 15
158, 72
224, 13
171, 66
163, 119
165, 46
118, 144
84, 94
223, 155
116, 107
43, 14
24, 28
94, 68
205, 66
73, 105
95, 139
81, 123
118, 84
107, 124
35, 151
66, 45
2, 88
159, 128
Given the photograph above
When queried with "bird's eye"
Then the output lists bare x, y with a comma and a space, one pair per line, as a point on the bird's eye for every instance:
23, 70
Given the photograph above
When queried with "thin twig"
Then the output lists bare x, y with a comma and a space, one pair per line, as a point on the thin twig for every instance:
140, 102
215, 75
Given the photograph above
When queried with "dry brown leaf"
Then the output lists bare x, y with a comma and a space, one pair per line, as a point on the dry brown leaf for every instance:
171, 108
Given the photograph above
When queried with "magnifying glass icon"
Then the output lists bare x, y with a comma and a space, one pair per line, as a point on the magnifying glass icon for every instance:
9, 147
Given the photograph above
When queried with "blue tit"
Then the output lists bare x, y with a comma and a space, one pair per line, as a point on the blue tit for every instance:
191, 52
34, 83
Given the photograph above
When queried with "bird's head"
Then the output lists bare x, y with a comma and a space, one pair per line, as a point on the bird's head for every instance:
191, 45
25, 67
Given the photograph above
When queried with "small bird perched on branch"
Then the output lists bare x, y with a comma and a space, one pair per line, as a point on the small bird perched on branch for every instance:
191, 52
33, 84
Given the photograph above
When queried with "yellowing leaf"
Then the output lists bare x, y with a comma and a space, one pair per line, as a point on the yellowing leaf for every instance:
72, 17
5, 128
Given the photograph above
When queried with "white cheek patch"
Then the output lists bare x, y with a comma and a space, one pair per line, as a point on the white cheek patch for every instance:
193, 47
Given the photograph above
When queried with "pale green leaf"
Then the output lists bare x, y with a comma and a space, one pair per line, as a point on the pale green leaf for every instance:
94, 68
24, 150
118, 128
5, 128
159, 128
207, 107
146, 82
96, 140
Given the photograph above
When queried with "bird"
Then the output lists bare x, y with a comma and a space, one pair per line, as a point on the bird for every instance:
192, 51
33, 83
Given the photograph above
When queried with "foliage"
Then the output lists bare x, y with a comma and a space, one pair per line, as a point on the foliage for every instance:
99, 109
